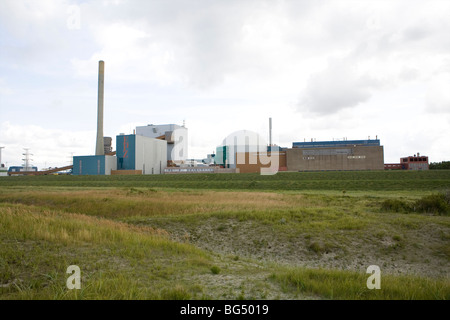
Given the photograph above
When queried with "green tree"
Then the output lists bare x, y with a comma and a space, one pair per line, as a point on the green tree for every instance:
440, 165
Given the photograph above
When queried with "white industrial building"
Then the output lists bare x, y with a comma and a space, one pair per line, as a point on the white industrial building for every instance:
135, 152
176, 137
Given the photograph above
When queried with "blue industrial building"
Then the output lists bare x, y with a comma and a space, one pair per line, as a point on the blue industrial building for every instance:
21, 168
126, 152
139, 154
136, 152
94, 165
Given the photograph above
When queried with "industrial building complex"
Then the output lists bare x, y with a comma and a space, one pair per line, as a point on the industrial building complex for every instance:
336, 155
163, 148
307, 156
143, 153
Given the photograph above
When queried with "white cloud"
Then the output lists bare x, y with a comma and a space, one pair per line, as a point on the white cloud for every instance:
49, 147
225, 66
438, 94
5, 89
338, 87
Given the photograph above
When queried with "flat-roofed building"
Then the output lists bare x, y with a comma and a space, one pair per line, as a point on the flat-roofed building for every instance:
416, 162
335, 155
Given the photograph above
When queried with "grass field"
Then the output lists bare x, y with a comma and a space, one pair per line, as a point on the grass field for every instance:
226, 236
338, 181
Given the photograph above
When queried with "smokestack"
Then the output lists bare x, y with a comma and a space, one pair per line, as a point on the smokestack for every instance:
100, 148
270, 131
1, 155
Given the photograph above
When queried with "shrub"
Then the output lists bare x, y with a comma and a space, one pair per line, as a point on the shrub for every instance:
320, 248
434, 203
395, 205
315, 247
215, 269
222, 227
176, 293
446, 194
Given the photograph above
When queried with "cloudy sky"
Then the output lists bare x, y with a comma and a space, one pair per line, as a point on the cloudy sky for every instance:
321, 69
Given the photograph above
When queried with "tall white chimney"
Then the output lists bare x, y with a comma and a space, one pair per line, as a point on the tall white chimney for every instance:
100, 149
1, 155
270, 131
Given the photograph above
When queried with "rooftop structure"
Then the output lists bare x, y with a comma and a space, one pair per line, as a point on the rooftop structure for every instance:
176, 137
335, 144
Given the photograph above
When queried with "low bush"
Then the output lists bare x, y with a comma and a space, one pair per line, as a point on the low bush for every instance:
434, 203
395, 205
215, 270
438, 203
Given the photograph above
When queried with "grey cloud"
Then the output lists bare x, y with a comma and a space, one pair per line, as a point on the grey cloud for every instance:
337, 87
204, 36
438, 96
409, 74
416, 33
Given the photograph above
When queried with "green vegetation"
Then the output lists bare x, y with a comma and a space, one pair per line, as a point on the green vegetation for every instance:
226, 236
336, 180
433, 203
215, 269
340, 284
117, 261
444, 165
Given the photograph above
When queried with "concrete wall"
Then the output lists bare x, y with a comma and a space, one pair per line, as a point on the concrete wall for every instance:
254, 161
110, 164
151, 155
193, 170
342, 158
418, 166
125, 172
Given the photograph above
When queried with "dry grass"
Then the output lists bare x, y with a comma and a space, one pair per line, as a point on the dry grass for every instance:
142, 202
144, 243
32, 223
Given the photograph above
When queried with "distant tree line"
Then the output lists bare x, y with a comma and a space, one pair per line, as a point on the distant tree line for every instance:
440, 165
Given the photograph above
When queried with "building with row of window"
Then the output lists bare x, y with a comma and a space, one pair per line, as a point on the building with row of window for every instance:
304, 156
416, 162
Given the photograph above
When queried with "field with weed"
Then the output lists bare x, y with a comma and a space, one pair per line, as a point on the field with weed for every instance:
339, 181
226, 236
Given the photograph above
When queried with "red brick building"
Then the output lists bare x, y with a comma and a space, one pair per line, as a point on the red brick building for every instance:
416, 162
